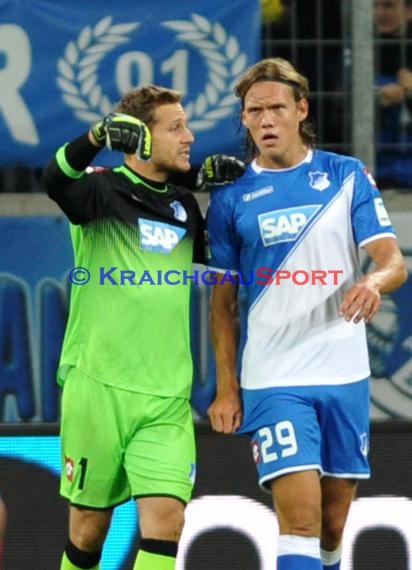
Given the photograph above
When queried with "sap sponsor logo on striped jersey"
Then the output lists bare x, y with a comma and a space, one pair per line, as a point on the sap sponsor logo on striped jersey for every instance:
158, 236
257, 193
279, 226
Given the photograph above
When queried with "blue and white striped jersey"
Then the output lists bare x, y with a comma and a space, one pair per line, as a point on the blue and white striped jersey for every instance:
293, 235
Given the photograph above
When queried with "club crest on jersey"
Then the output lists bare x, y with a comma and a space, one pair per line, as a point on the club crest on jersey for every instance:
95, 168
192, 474
364, 444
179, 212
257, 193
319, 180
256, 453
285, 225
158, 236
69, 466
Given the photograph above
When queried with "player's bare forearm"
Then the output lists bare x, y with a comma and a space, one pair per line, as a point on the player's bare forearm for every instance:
225, 413
363, 299
225, 334
390, 270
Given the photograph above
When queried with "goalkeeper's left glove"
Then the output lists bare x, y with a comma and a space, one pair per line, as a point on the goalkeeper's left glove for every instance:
125, 133
217, 170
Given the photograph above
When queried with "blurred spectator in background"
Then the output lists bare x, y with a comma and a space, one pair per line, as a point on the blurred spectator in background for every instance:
311, 35
274, 11
393, 79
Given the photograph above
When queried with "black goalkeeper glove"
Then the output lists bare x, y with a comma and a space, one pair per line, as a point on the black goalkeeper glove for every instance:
217, 170
125, 133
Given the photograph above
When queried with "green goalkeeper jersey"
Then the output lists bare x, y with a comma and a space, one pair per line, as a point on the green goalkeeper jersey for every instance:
129, 325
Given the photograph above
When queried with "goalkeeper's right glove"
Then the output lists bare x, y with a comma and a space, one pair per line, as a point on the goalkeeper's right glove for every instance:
125, 133
217, 170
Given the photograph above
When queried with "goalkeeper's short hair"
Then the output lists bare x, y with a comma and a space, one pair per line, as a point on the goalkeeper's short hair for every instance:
142, 102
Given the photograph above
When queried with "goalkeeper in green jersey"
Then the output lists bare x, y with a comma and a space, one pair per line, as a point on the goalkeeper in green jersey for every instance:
126, 366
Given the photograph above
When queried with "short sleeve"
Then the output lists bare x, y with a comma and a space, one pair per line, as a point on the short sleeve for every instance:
223, 246
370, 219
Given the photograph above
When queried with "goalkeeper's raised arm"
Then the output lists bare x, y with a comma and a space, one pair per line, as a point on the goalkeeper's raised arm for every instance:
85, 198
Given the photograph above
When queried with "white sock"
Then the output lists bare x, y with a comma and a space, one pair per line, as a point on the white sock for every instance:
329, 558
299, 545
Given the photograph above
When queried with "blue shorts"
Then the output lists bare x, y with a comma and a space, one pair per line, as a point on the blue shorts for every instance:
309, 427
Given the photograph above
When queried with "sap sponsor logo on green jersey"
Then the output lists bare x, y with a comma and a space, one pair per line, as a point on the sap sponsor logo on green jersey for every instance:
158, 236
279, 226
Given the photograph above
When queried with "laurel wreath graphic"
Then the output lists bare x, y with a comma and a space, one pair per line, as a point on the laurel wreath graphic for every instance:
78, 68
225, 63
78, 80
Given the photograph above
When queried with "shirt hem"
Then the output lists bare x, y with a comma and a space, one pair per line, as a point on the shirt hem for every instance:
137, 390
306, 382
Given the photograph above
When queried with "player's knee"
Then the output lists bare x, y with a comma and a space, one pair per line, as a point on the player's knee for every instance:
173, 525
164, 524
332, 531
88, 541
301, 529
302, 522
88, 528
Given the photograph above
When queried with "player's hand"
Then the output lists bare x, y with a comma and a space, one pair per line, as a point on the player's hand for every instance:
217, 170
225, 413
125, 133
361, 301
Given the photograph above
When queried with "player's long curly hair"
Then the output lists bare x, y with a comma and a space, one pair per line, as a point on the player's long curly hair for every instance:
281, 70
142, 102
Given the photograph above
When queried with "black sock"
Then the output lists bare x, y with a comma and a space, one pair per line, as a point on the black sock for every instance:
164, 547
81, 558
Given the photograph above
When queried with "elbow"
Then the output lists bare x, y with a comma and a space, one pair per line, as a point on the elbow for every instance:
400, 276
50, 192
399, 271
403, 274
47, 187
51, 179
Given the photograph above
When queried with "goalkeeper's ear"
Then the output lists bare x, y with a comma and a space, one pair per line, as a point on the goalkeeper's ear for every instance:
218, 170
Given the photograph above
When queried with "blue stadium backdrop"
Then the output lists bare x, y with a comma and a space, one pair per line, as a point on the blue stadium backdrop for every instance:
65, 64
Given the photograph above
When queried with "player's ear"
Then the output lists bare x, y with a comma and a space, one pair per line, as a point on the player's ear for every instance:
244, 121
303, 109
